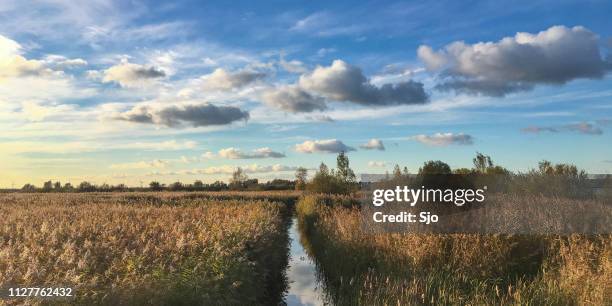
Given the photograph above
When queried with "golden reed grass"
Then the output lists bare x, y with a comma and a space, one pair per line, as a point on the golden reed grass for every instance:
119, 248
465, 269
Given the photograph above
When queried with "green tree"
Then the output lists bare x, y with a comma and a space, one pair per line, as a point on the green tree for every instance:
565, 170
47, 186
301, 175
198, 185
462, 171
340, 181
28, 188
238, 179
344, 171
482, 162
323, 169
86, 187
324, 182
155, 186
435, 167
176, 186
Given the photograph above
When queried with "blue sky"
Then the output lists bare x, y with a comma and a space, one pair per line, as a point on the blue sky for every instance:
131, 91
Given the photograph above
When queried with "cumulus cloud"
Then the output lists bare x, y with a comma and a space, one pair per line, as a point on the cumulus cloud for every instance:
293, 99
196, 115
221, 79
323, 146
376, 164
444, 139
373, 144
158, 163
554, 56
8, 47
233, 153
131, 75
13, 64
582, 128
344, 82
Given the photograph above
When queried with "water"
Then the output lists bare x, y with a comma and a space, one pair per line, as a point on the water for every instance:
304, 287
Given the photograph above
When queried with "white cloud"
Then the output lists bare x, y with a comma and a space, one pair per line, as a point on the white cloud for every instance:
168, 145
373, 144
62, 62
221, 79
444, 139
343, 82
293, 66
233, 153
582, 128
228, 169
208, 155
37, 81
8, 47
377, 164
293, 99
311, 22
13, 64
323, 146
196, 115
94, 75
34, 111
554, 56
132, 75
209, 62
189, 160
325, 51
157, 163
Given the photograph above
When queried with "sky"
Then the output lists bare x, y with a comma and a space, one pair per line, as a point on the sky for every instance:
136, 91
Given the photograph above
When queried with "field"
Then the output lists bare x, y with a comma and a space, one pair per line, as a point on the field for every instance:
166, 248
400, 269
231, 248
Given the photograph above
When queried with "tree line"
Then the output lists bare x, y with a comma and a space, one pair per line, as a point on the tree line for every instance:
548, 178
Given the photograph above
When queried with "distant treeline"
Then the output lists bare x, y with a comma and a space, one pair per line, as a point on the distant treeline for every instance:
549, 179
248, 184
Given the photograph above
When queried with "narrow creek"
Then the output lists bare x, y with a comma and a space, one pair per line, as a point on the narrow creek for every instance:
304, 285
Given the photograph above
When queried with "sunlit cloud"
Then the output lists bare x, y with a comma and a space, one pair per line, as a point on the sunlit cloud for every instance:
444, 139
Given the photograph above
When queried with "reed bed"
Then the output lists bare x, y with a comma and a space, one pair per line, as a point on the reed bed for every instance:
360, 268
121, 249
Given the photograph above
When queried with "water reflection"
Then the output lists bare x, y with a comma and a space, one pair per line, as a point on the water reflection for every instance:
304, 287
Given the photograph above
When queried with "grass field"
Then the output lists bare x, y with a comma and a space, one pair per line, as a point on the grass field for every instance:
165, 248
451, 269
